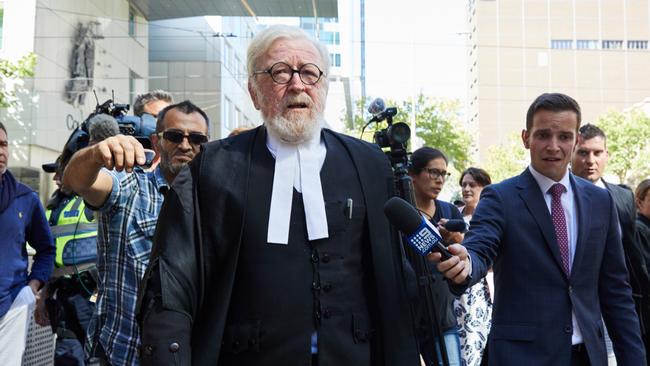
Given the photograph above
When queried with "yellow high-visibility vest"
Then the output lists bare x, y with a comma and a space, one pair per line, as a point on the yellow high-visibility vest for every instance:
74, 234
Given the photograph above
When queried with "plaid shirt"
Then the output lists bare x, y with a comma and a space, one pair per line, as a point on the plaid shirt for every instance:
127, 222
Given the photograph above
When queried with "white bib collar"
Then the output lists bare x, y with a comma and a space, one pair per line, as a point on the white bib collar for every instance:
297, 166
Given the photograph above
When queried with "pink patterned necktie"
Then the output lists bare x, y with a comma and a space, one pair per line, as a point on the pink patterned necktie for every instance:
559, 222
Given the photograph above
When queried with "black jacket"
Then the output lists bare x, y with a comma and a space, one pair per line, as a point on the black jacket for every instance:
636, 256
186, 291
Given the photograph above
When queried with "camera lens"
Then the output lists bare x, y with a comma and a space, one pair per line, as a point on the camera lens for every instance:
399, 132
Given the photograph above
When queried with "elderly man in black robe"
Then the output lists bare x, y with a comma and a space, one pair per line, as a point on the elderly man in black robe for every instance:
272, 247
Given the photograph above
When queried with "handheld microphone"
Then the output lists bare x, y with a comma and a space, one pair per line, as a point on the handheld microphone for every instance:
456, 225
420, 233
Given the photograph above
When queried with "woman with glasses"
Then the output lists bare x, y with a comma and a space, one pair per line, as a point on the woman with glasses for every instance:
473, 308
428, 171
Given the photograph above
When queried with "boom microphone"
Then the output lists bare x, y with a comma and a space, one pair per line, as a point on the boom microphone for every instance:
420, 233
377, 106
102, 126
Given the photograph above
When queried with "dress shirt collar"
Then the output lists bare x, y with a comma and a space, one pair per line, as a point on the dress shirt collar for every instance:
545, 182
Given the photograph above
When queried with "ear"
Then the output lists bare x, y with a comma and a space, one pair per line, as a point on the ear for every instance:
524, 138
154, 142
251, 91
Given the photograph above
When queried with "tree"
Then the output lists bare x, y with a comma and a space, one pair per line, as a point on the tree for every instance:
628, 134
10, 75
437, 124
506, 160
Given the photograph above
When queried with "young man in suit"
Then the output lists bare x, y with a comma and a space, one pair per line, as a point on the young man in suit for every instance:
553, 241
590, 158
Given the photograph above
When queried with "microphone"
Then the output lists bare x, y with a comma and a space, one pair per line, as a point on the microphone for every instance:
102, 126
420, 233
456, 225
377, 106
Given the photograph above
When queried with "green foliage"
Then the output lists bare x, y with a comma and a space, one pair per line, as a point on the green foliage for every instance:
628, 134
506, 160
437, 124
10, 72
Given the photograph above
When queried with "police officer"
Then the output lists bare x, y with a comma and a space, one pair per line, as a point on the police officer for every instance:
66, 304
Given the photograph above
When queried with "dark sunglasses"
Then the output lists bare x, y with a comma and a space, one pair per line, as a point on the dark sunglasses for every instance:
176, 137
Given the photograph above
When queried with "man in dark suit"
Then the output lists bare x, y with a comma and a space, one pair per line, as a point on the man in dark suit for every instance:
273, 248
589, 161
553, 241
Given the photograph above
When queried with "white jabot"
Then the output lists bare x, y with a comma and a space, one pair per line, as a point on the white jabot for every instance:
297, 166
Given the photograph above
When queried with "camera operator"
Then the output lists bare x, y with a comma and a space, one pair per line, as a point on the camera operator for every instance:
152, 103
128, 206
428, 170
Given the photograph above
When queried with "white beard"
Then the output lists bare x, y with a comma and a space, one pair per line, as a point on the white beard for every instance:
296, 129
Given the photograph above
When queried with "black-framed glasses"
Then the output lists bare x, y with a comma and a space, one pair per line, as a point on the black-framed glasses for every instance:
281, 73
437, 173
177, 136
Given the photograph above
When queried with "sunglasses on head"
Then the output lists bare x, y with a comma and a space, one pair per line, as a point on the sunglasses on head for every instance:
177, 136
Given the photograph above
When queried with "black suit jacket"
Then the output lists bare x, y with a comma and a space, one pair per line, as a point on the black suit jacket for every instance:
636, 257
186, 290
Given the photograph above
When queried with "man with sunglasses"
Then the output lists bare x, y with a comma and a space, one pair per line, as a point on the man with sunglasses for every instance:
273, 248
110, 178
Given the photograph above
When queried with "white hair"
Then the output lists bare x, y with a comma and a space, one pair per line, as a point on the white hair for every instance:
263, 40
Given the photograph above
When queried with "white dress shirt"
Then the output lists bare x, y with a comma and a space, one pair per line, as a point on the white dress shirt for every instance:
571, 217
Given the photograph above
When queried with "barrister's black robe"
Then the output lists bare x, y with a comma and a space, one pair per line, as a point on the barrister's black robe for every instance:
185, 294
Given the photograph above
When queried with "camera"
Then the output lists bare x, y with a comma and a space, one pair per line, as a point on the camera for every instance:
140, 127
395, 136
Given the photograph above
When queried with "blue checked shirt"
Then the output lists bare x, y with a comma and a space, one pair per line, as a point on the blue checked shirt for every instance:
127, 222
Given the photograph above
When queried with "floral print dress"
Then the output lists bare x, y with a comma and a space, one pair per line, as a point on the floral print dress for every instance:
473, 311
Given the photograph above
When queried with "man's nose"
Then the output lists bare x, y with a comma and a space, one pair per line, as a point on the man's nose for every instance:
295, 83
185, 144
591, 158
554, 144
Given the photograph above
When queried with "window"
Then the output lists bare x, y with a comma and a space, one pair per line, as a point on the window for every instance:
330, 37
335, 59
131, 22
637, 45
612, 44
589, 44
561, 44
238, 117
227, 56
132, 93
227, 114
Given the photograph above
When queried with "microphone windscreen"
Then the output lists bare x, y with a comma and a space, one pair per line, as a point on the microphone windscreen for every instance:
402, 215
101, 127
377, 106
457, 225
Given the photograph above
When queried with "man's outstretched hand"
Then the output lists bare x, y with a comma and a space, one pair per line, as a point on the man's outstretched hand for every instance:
456, 268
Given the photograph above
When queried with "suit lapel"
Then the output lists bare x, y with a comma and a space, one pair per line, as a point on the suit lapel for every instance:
583, 208
531, 194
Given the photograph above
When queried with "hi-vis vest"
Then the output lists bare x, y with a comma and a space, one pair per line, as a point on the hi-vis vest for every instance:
75, 236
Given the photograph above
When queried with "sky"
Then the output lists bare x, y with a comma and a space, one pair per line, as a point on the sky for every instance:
416, 46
